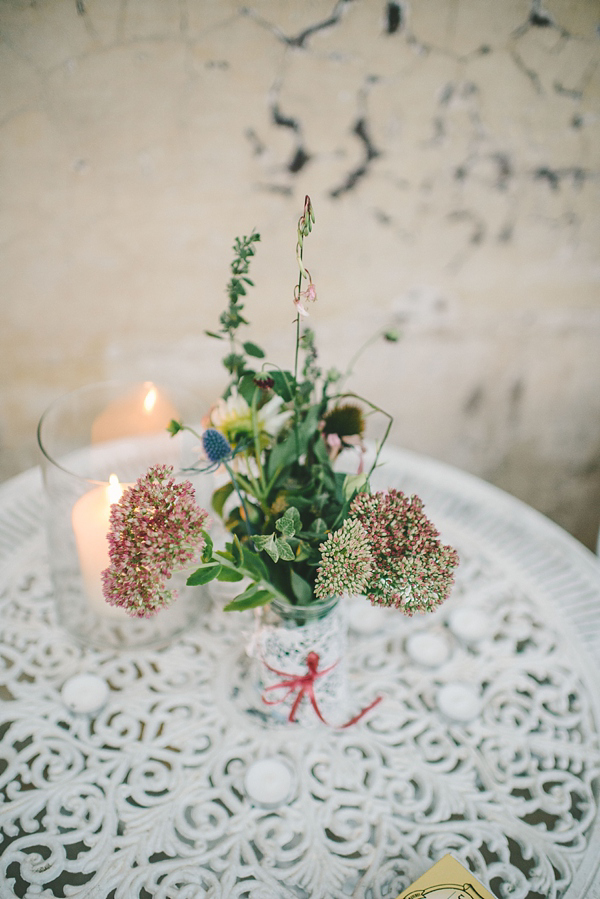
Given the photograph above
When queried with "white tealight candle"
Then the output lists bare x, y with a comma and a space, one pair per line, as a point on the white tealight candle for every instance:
90, 517
268, 782
460, 702
469, 625
431, 650
85, 693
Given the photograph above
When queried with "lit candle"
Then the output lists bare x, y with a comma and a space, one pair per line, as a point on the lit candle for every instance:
90, 517
144, 410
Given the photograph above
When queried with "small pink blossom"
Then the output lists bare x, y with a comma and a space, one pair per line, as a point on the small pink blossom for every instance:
334, 442
309, 296
155, 529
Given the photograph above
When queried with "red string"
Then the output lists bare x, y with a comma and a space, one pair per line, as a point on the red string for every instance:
304, 684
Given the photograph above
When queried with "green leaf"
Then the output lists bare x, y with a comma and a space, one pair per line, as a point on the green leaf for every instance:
293, 513
286, 526
303, 551
284, 550
308, 427
246, 387
236, 551
220, 497
250, 599
281, 455
254, 564
285, 384
233, 362
229, 574
301, 588
224, 554
213, 334
207, 552
204, 574
320, 451
289, 523
267, 543
301, 502
339, 481
236, 287
253, 350
354, 483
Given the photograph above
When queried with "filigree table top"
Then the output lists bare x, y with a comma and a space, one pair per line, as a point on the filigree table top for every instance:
485, 744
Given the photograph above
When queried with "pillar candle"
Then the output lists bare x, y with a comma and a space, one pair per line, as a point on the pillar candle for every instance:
143, 410
90, 519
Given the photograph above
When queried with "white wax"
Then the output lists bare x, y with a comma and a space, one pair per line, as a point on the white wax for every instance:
469, 625
431, 650
144, 410
90, 519
268, 782
460, 702
85, 693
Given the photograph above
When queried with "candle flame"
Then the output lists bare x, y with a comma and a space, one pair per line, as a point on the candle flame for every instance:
150, 399
114, 490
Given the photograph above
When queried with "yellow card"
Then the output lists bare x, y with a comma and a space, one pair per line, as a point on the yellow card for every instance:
447, 879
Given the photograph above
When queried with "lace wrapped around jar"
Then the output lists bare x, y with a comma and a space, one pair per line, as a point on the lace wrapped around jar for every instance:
300, 662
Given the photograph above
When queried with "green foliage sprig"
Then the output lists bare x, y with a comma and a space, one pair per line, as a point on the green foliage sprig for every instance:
231, 318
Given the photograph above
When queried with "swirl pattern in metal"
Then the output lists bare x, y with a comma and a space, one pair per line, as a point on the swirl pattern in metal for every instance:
485, 744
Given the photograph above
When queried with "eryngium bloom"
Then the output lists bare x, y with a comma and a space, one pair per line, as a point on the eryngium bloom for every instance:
216, 446
412, 569
155, 529
346, 562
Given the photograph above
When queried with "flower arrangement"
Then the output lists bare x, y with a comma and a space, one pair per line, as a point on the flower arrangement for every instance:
301, 531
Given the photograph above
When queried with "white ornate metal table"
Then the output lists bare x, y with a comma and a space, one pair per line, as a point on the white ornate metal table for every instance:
485, 745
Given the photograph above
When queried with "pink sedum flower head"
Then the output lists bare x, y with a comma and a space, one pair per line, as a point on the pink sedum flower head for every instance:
346, 562
155, 529
412, 569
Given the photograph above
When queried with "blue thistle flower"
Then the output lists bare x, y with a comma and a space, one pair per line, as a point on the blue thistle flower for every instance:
216, 446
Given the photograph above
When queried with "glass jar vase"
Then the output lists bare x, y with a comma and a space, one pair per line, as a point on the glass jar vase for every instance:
299, 656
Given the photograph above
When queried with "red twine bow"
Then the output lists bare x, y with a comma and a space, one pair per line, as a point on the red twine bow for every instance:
304, 684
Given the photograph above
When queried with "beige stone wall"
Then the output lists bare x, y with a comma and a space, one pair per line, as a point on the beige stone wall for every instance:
451, 148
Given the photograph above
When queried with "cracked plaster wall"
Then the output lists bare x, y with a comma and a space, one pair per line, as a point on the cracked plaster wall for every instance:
451, 149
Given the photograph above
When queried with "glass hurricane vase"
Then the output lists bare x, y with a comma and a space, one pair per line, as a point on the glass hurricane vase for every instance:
96, 441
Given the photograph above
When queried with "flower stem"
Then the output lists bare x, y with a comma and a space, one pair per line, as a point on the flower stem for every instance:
358, 354
240, 497
297, 343
390, 418
299, 254
256, 435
